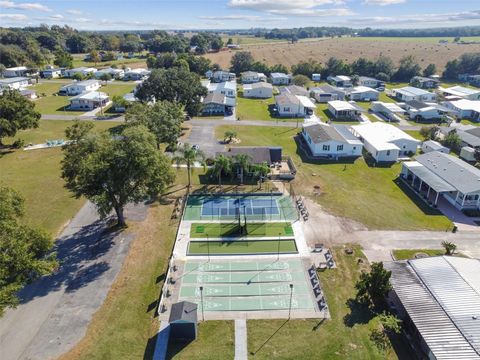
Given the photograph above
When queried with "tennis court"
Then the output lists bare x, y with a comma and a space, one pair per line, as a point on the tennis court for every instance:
247, 285
227, 207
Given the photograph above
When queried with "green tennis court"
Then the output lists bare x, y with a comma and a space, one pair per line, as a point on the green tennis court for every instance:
240, 247
247, 285
275, 207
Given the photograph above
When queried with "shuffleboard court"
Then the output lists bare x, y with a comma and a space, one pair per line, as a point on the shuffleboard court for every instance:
247, 285
273, 207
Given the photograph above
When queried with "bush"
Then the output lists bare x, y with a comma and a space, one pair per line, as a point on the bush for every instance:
19, 143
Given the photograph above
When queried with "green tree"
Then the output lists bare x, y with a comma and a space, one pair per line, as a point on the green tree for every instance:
390, 325
174, 85
449, 247
430, 70
16, 113
230, 41
188, 155
95, 56
300, 80
373, 286
163, 119
452, 140
241, 61
216, 44
25, 252
222, 166
243, 163
105, 77
230, 135
112, 171
429, 132
78, 76
63, 59
408, 69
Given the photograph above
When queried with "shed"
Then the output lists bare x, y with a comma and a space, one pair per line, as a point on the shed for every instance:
316, 77
183, 321
467, 153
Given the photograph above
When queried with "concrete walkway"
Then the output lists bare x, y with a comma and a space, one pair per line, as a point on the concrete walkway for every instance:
241, 339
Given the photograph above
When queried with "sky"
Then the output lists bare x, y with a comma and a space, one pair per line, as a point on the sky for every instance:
239, 14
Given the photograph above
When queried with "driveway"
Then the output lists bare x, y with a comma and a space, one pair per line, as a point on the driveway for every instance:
203, 134
55, 311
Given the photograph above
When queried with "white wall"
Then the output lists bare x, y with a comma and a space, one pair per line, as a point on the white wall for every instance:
333, 151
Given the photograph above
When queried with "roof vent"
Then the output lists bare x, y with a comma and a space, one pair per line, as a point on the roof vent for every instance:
474, 317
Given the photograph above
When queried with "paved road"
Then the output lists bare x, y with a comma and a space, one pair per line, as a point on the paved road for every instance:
55, 311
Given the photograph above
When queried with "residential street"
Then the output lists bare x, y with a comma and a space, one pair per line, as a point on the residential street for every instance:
55, 311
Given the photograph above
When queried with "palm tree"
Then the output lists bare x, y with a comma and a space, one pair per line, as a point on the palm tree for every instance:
188, 155
449, 247
221, 165
243, 161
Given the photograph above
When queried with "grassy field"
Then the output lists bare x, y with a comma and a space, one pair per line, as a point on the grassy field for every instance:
425, 50
132, 63
257, 109
215, 230
410, 253
36, 174
242, 247
345, 336
354, 190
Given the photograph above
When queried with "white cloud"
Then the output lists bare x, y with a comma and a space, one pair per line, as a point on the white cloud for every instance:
14, 17
234, 17
442, 18
74, 12
23, 6
293, 8
383, 2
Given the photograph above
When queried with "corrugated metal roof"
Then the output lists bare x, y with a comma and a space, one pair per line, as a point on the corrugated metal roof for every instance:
441, 303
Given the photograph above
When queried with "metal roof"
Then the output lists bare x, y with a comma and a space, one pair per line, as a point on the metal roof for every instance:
13, 80
463, 176
440, 303
428, 177
410, 90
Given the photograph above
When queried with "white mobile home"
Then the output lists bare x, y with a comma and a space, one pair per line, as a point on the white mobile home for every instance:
391, 111
326, 93
316, 77
424, 82
345, 110
259, 90
363, 93
340, 81
114, 73
79, 87
13, 72
370, 82
409, 93
418, 110
280, 78
386, 143
431, 145
51, 73
14, 83
289, 105
227, 88
331, 141
88, 101
460, 92
136, 74
436, 173
250, 77
464, 109
222, 76
84, 71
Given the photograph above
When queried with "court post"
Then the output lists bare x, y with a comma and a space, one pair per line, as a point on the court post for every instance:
201, 300
290, 306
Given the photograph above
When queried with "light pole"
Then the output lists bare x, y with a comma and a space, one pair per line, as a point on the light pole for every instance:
201, 300
278, 247
290, 306
208, 248
271, 203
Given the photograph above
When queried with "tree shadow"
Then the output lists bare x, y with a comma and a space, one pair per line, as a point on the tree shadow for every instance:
79, 257
359, 313
416, 198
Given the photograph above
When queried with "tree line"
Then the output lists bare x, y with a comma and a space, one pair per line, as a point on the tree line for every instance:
382, 68
36, 46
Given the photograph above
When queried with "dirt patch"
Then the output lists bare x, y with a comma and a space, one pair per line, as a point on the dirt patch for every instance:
349, 49
325, 228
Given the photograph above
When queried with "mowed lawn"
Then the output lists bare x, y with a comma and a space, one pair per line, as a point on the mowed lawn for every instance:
357, 191
36, 175
256, 109
52, 103
213, 230
345, 336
